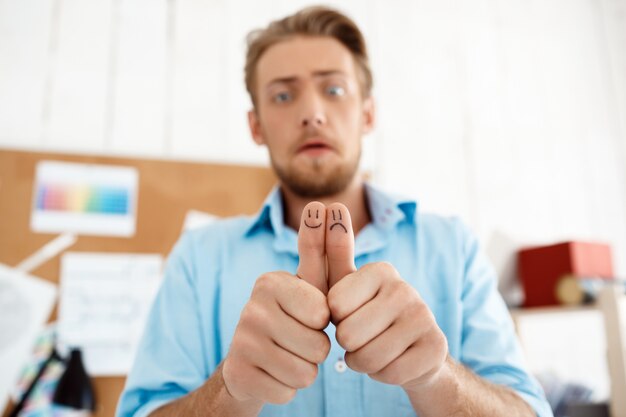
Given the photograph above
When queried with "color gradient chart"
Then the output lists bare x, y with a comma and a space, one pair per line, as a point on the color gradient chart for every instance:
84, 199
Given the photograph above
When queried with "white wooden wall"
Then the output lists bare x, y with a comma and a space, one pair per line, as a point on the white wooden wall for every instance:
510, 113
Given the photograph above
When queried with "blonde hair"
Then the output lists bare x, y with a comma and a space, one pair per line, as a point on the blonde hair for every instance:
311, 21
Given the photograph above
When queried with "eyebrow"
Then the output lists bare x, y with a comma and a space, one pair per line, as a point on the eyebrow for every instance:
293, 79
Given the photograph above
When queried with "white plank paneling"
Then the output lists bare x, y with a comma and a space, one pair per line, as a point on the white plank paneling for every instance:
421, 115
511, 159
139, 119
199, 91
80, 65
242, 17
24, 48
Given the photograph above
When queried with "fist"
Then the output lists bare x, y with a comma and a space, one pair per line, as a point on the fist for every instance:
280, 340
385, 327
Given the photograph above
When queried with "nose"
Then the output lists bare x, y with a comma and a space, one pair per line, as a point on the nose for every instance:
313, 114
317, 119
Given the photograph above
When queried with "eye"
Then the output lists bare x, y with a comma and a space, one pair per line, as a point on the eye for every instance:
282, 97
335, 90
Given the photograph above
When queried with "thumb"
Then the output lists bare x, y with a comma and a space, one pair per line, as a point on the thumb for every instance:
339, 243
312, 266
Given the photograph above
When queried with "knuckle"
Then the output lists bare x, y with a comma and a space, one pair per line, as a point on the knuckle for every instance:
283, 396
317, 348
398, 293
385, 268
362, 362
345, 338
230, 370
440, 343
247, 314
235, 375
416, 309
254, 316
370, 268
383, 271
389, 375
401, 286
306, 376
314, 304
370, 364
354, 362
377, 376
323, 348
265, 284
320, 317
396, 378
334, 304
243, 345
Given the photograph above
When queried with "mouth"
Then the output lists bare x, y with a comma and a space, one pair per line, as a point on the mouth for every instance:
312, 227
340, 225
315, 147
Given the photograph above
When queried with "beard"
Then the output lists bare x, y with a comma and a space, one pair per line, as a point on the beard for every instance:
318, 181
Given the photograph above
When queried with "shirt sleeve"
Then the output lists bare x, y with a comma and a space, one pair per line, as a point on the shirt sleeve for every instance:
170, 360
489, 343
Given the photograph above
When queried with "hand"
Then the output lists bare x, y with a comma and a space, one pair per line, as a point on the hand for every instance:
280, 337
385, 327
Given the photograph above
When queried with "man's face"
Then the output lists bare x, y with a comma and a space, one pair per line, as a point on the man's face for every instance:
311, 114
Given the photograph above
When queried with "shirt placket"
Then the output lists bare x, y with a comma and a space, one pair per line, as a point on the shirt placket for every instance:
342, 386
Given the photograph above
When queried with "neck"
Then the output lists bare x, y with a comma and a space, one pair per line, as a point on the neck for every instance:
353, 197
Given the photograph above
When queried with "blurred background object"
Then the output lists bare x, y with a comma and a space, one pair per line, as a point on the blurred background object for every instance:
612, 303
74, 390
542, 269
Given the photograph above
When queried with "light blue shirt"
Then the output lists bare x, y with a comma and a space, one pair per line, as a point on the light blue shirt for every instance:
211, 272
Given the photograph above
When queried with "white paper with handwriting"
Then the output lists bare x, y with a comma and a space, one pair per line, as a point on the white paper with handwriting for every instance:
105, 300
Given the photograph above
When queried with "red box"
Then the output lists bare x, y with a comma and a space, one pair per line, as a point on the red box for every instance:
541, 268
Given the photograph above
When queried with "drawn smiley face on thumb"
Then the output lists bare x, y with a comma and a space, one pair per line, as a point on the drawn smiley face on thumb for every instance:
325, 244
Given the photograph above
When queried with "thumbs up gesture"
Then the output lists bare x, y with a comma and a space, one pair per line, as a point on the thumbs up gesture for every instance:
385, 327
387, 330
280, 339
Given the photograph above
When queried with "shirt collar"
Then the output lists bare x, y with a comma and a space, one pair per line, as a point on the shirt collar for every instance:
387, 210
271, 214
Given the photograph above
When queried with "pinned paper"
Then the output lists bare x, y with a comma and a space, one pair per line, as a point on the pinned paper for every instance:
84, 199
196, 219
104, 304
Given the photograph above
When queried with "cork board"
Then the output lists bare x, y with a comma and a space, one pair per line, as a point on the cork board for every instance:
167, 189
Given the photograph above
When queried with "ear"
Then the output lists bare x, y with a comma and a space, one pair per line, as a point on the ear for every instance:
369, 115
255, 127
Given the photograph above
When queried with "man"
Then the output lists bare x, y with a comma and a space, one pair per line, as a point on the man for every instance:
405, 320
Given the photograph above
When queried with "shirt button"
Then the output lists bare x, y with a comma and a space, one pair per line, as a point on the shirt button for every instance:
340, 366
